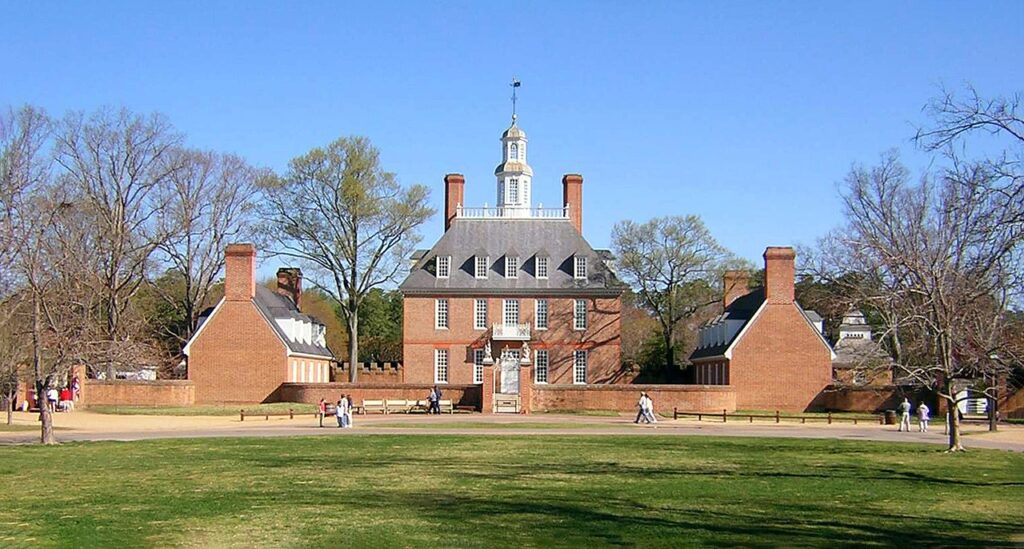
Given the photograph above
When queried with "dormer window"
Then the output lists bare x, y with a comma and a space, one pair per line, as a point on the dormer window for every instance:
444, 266
541, 267
579, 268
481, 266
511, 267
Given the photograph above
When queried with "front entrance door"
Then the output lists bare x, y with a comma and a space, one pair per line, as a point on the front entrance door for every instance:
510, 372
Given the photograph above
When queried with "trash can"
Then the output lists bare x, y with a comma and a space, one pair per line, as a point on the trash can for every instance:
890, 417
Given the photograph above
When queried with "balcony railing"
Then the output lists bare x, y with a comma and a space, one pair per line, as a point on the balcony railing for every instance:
510, 332
510, 211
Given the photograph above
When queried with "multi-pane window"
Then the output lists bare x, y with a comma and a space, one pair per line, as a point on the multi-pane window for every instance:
542, 267
514, 155
478, 365
579, 367
510, 312
511, 267
513, 191
480, 314
440, 365
540, 370
441, 314
541, 314
579, 270
481, 266
579, 314
444, 266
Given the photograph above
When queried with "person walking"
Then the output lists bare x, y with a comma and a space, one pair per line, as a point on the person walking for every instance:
922, 417
640, 408
339, 411
322, 407
905, 408
435, 400
648, 409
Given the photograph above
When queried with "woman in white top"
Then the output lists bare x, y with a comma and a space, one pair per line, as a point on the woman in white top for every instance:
339, 411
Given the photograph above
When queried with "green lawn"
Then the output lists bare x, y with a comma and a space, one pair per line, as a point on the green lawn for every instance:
530, 491
475, 425
208, 410
16, 427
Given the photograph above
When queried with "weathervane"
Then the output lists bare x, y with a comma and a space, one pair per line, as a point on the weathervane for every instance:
515, 84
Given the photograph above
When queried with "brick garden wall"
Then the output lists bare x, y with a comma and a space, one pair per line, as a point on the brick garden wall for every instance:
138, 393
689, 398
460, 395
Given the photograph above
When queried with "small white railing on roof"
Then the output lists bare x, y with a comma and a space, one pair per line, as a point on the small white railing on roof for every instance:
486, 212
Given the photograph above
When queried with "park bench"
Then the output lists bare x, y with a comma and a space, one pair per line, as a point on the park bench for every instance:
418, 406
446, 407
373, 406
395, 406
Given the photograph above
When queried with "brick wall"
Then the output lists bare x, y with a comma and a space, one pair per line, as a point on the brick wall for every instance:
780, 363
601, 338
372, 372
237, 357
690, 398
460, 395
870, 398
137, 393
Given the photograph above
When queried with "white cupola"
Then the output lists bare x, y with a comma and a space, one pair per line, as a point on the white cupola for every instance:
514, 174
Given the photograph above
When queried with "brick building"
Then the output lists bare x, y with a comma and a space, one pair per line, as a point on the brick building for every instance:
764, 344
512, 296
256, 338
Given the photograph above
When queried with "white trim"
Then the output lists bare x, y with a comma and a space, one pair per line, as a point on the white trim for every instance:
739, 336
536, 313
205, 324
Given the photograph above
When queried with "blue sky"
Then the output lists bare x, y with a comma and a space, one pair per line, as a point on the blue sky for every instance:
746, 113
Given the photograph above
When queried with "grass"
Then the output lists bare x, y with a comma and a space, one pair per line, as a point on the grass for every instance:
208, 410
530, 491
493, 425
5, 428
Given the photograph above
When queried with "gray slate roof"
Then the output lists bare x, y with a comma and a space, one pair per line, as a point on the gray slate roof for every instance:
274, 305
525, 238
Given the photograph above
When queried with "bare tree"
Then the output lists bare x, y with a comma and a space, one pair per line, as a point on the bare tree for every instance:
347, 220
210, 202
117, 162
939, 260
674, 265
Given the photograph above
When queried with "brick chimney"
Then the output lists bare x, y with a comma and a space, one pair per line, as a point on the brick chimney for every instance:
735, 285
779, 274
454, 196
572, 197
239, 272
289, 284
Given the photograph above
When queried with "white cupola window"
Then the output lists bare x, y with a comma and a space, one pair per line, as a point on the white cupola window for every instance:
514, 152
513, 191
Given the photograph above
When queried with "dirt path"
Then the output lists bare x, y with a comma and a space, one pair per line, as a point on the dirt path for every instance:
83, 425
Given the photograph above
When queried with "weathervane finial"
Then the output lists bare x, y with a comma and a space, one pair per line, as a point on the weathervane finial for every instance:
515, 84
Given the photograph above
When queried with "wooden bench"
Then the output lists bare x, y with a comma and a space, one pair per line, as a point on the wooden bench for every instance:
446, 407
418, 406
396, 406
373, 406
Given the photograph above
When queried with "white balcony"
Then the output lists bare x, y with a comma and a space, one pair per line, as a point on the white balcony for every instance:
512, 211
510, 332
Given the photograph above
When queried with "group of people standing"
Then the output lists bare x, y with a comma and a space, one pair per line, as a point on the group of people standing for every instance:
342, 410
922, 416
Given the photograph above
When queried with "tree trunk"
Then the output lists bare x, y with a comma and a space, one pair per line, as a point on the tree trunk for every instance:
953, 422
9, 405
46, 420
669, 354
353, 345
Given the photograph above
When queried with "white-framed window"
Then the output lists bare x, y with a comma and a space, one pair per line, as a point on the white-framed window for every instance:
481, 266
511, 267
540, 314
478, 366
440, 365
579, 267
441, 314
480, 314
541, 267
510, 311
540, 368
514, 154
579, 367
513, 191
579, 314
444, 266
